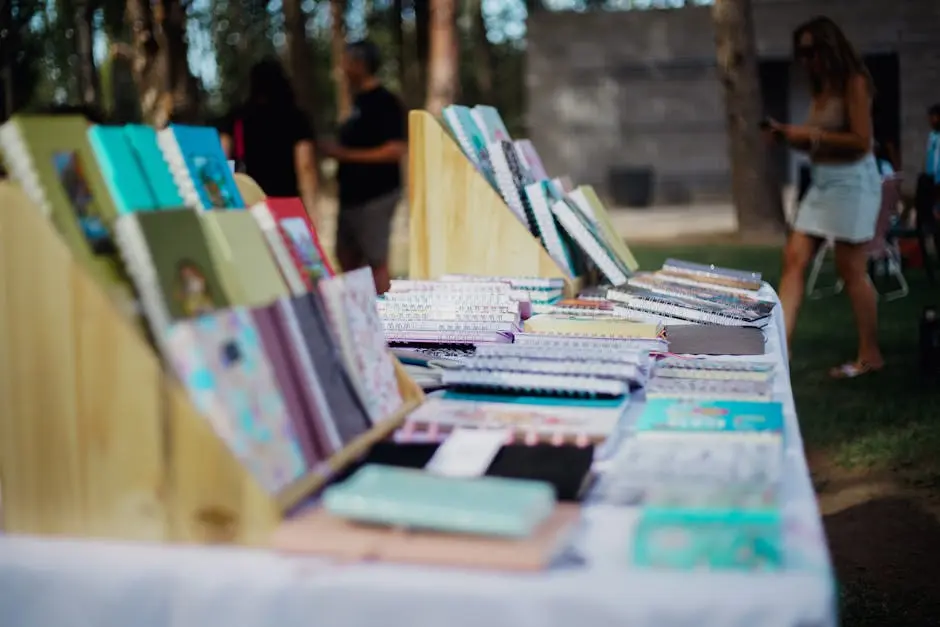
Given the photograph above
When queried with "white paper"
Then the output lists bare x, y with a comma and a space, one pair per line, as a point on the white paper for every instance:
467, 452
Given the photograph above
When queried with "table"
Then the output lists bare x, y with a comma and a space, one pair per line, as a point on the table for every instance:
65, 583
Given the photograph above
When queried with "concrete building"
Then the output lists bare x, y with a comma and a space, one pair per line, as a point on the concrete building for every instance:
619, 98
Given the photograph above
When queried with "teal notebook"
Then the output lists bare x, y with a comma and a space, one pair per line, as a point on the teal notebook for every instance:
134, 170
692, 540
403, 497
672, 415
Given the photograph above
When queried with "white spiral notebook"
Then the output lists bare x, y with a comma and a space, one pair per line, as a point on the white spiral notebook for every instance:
679, 308
536, 384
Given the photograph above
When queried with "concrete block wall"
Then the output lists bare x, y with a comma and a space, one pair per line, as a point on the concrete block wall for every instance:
638, 88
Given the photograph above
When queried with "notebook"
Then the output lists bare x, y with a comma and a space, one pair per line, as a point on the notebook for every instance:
709, 339
535, 383
588, 326
587, 200
471, 139
51, 159
712, 274
300, 236
722, 417
248, 271
629, 373
576, 352
530, 157
709, 389
661, 284
491, 123
590, 241
540, 197
143, 141
297, 281
692, 540
414, 499
685, 308
168, 258
715, 369
199, 167
511, 181
220, 359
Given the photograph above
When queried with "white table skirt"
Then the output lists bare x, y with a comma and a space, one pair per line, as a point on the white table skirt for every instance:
62, 583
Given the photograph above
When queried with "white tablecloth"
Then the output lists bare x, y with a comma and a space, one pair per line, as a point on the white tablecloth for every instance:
58, 583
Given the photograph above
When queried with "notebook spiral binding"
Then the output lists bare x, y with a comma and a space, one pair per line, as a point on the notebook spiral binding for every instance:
586, 239
22, 168
573, 353
173, 155
652, 302
538, 384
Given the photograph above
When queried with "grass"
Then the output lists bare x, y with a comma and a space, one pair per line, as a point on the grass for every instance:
887, 420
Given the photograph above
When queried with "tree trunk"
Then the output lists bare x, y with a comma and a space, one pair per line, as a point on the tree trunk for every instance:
298, 54
483, 62
160, 64
757, 198
443, 74
422, 35
398, 34
338, 50
84, 44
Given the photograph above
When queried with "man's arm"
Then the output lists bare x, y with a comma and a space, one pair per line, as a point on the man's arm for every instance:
389, 152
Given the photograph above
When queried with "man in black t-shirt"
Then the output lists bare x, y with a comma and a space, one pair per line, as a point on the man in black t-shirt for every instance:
369, 152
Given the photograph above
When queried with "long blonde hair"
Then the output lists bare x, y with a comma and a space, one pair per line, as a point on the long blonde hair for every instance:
838, 57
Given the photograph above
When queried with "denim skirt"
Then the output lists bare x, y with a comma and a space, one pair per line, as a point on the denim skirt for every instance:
842, 203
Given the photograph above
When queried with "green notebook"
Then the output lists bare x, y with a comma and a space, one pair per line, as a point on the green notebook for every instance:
51, 159
248, 271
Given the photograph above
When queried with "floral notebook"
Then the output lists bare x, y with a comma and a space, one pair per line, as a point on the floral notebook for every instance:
221, 361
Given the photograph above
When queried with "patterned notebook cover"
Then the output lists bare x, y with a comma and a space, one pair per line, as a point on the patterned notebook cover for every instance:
685, 308
530, 156
199, 166
667, 415
300, 236
221, 361
661, 284
709, 389
712, 274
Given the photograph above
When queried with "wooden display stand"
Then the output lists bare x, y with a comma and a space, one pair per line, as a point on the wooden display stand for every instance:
96, 440
459, 223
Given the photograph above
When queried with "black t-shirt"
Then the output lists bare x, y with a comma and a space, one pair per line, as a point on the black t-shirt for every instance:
269, 135
377, 118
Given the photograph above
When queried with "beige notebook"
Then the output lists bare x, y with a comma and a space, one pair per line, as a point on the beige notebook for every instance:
591, 326
248, 271
318, 532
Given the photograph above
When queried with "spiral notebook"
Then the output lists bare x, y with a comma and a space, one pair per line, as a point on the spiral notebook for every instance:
199, 167
743, 280
680, 308
588, 326
539, 384
577, 226
511, 180
594, 353
540, 197
661, 284
709, 389
714, 369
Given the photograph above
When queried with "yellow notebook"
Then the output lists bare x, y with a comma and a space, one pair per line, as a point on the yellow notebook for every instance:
249, 273
589, 326
586, 199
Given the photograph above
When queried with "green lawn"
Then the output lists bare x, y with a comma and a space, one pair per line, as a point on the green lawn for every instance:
886, 420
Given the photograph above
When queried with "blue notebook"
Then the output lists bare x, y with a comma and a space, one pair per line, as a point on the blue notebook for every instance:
730, 540
673, 415
403, 497
123, 174
143, 141
200, 167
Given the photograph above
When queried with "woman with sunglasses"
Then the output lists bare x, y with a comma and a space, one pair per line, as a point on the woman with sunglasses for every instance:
844, 198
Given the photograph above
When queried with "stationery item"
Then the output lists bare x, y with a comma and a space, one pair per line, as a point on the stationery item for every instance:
446, 338
682, 308
567, 467
491, 123
628, 373
143, 140
530, 156
365, 345
539, 196
538, 384
168, 258
714, 369
274, 342
709, 389
290, 270
593, 354
515, 282
563, 184
661, 285
511, 181
317, 532
248, 271
127, 182
686, 540
301, 238
414, 499
701, 339
198, 165
724, 417
590, 241
220, 359
51, 159
466, 453
341, 417
587, 326
657, 344
455, 356
712, 274
471, 139
587, 200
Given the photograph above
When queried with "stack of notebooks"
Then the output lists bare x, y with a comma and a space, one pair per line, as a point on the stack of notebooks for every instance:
572, 224
711, 379
286, 361
707, 476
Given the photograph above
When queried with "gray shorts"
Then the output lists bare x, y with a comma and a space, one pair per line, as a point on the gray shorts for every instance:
364, 230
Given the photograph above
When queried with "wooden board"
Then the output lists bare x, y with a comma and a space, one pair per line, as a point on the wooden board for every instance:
96, 440
459, 224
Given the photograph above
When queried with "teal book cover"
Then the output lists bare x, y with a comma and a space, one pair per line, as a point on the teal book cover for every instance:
663, 414
143, 140
207, 166
126, 181
695, 540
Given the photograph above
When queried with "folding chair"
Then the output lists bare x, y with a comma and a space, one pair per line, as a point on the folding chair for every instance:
881, 249
925, 225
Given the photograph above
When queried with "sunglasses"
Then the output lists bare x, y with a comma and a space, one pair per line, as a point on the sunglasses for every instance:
805, 52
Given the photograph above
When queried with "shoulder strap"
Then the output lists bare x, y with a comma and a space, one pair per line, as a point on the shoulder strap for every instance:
239, 139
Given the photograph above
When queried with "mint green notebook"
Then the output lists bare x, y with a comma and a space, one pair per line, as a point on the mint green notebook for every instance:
143, 139
403, 497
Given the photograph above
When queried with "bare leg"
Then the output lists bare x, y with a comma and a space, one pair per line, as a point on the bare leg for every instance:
382, 279
852, 263
797, 254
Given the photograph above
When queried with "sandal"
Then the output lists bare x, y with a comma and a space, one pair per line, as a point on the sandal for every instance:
853, 370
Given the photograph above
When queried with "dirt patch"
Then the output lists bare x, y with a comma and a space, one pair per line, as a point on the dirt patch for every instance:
884, 536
